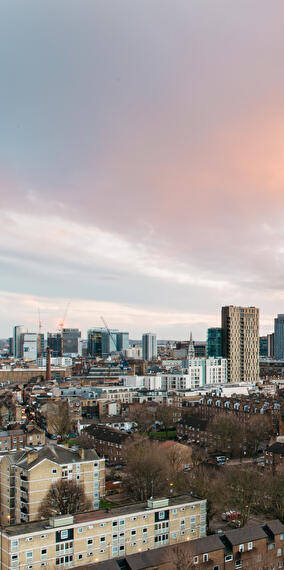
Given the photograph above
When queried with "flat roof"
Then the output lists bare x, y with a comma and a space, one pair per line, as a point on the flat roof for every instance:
94, 516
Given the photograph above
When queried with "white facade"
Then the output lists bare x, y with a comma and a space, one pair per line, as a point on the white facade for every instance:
62, 361
133, 352
29, 346
149, 346
18, 330
199, 372
216, 370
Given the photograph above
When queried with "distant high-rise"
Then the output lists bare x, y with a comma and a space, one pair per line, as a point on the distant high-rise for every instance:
54, 342
240, 329
149, 346
70, 338
214, 343
122, 340
270, 345
109, 342
95, 341
11, 346
18, 330
263, 346
279, 337
29, 343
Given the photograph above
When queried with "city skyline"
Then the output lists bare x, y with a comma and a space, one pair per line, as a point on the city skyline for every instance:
141, 165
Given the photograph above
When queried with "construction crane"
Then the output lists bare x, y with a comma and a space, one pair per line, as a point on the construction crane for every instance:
62, 321
123, 361
39, 321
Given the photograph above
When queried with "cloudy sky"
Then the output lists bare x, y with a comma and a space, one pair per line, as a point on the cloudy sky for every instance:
142, 162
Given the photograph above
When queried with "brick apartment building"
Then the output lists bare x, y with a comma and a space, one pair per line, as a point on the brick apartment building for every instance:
96, 536
258, 547
108, 442
243, 407
26, 476
18, 439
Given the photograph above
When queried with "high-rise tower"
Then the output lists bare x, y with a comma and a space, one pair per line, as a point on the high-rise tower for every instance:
240, 329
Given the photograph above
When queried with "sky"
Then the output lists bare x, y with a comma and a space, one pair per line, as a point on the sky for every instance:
142, 163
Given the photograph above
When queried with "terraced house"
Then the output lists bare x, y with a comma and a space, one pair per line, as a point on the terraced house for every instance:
27, 476
64, 542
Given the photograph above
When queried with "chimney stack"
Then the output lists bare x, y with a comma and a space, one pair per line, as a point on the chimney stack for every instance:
48, 364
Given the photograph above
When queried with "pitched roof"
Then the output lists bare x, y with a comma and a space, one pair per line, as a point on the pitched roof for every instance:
106, 434
277, 447
54, 453
245, 534
275, 526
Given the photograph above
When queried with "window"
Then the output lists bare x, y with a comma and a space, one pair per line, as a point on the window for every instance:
15, 543
29, 539
133, 518
241, 548
174, 511
80, 556
250, 545
102, 538
238, 563
14, 557
102, 524
133, 543
205, 557
133, 533
228, 558
279, 551
54, 471
64, 534
43, 536
29, 555
80, 530
192, 520
102, 550
281, 536
115, 523
43, 552
144, 530
271, 546
216, 567
89, 541
195, 559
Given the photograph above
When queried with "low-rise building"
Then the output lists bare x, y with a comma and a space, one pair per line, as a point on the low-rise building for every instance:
103, 535
108, 442
26, 477
255, 547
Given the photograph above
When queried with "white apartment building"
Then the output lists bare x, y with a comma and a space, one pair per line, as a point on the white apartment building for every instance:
199, 372
29, 343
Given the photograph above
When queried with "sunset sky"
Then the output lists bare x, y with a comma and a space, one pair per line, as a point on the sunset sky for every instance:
142, 162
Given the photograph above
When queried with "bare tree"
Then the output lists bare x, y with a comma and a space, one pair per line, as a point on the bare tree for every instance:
143, 415
59, 418
243, 490
258, 429
167, 416
64, 497
180, 557
145, 468
228, 431
84, 441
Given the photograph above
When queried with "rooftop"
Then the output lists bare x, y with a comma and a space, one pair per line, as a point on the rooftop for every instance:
38, 526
